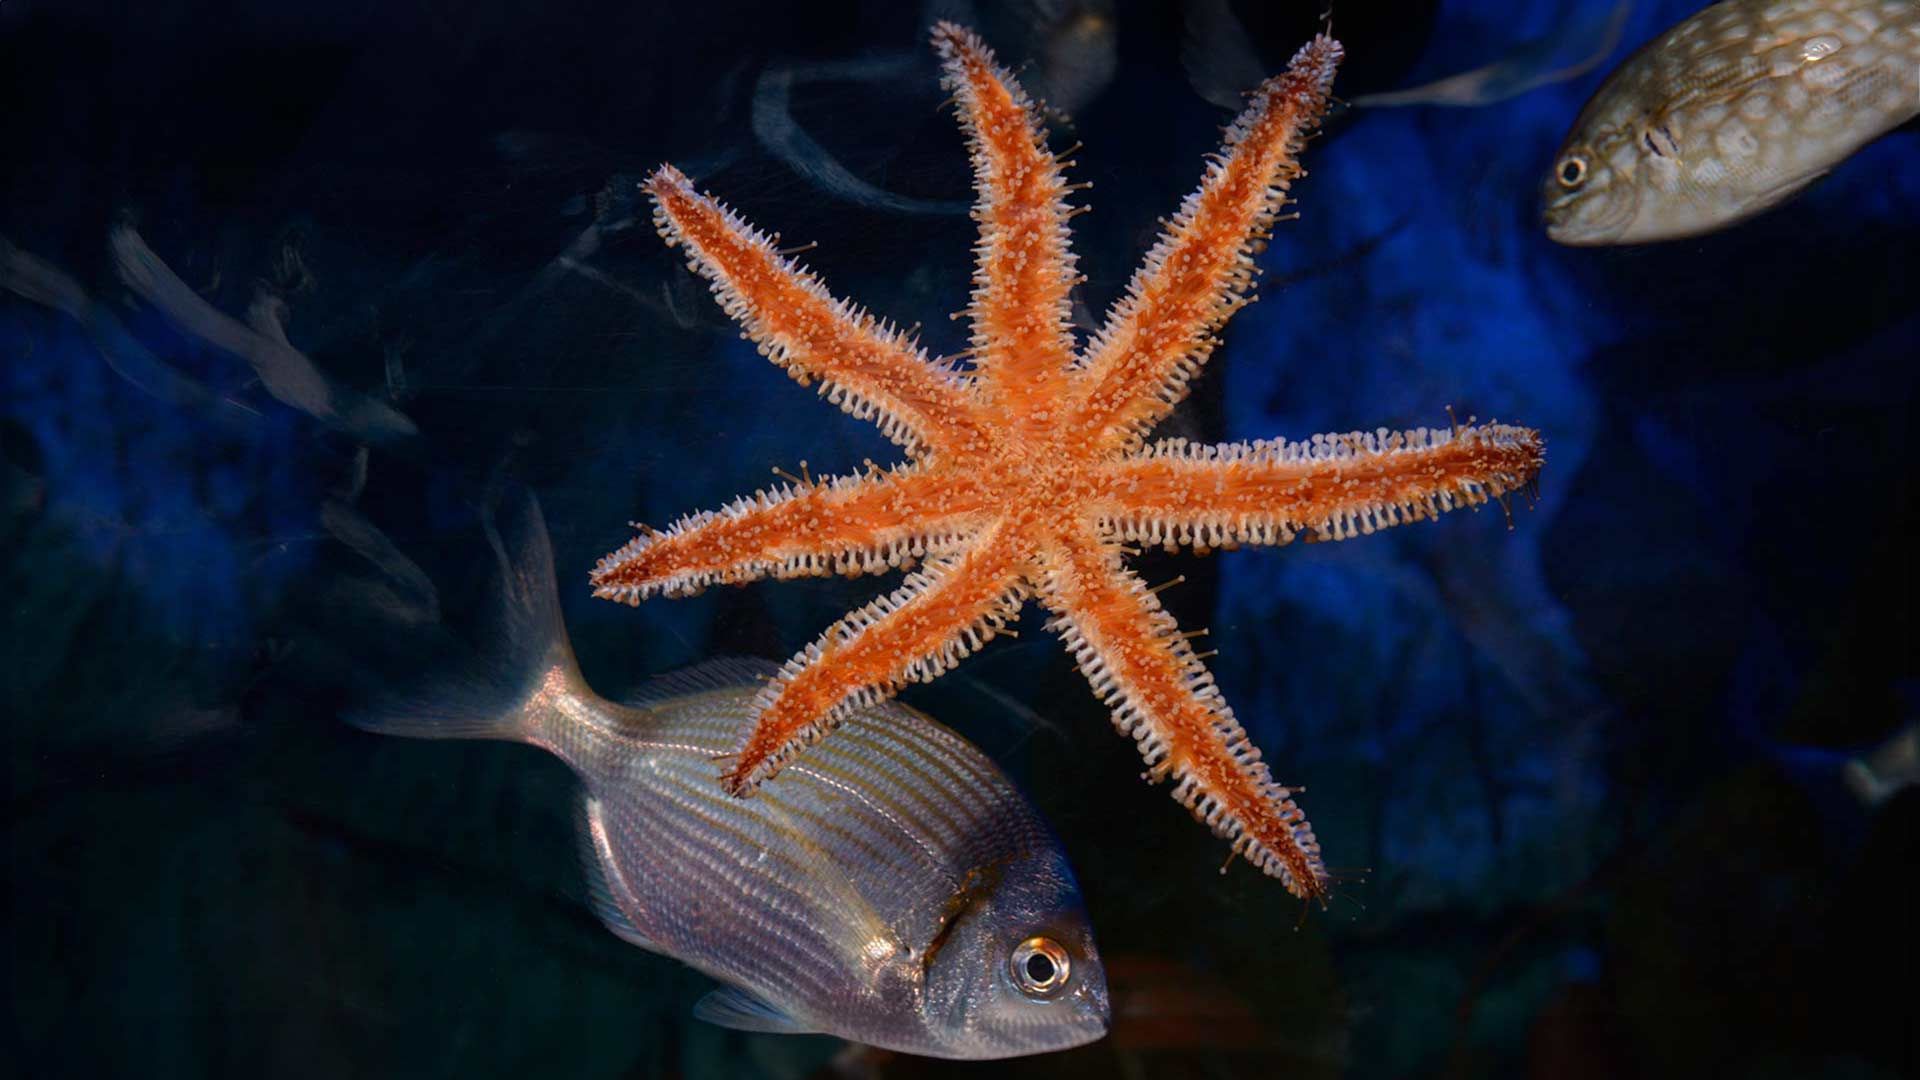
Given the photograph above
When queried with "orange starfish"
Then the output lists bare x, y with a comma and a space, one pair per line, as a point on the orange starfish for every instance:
1027, 472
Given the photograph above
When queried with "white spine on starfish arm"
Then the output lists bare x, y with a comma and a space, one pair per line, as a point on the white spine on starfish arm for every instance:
781, 346
1409, 449
1135, 720
959, 47
969, 638
890, 549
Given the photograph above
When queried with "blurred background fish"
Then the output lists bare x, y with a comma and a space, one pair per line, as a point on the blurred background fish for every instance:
1730, 113
1065, 50
894, 890
1887, 769
784, 136
282, 370
1068, 49
1223, 61
1538, 62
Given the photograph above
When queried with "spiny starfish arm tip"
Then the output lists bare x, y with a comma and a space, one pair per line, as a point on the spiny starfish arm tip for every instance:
1330, 487
1162, 697
666, 177
1314, 63
950, 37
940, 614
1020, 309
840, 525
861, 363
1159, 334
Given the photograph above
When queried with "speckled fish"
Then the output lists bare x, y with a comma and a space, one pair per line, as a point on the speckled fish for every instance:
891, 887
1730, 113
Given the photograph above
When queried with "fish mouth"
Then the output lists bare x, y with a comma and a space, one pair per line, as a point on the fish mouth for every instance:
1600, 211
1090, 1021
1092, 1014
1098, 1017
1564, 233
1565, 224
1077, 1018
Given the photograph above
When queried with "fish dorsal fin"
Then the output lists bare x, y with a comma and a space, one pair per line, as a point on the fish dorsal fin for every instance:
732, 1007
608, 894
727, 673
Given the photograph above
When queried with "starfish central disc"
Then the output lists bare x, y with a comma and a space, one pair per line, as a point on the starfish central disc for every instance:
1027, 473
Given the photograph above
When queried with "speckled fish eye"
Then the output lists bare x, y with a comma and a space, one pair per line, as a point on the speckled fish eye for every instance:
1572, 171
1040, 967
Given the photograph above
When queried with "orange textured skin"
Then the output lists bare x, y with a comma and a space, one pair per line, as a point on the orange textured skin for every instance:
1027, 472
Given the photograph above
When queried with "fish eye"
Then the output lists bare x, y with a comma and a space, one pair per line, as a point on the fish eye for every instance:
1572, 171
1040, 967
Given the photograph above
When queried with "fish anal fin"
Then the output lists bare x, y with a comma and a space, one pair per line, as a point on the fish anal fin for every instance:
732, 1007
608, 894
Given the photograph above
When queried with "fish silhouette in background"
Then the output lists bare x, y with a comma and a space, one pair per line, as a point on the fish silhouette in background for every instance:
1069, 50
1729, 114
1529, 66
34, 279
786, 138
893, 889
286, 373
1877, 775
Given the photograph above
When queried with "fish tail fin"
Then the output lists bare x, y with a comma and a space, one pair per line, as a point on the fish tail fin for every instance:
508, 688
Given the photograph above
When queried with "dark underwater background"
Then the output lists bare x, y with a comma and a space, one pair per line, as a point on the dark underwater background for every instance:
1583, 769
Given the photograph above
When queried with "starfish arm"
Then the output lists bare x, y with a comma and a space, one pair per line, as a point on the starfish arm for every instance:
940, 614
1161, 331
863, 365
1132, 652
1020, 310
852, 525
1330, 487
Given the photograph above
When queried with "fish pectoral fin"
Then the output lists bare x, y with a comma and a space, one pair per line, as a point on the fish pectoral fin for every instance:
732, 1007
607, 894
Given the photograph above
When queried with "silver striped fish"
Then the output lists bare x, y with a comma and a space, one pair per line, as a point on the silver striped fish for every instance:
1730, 113
891, 887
